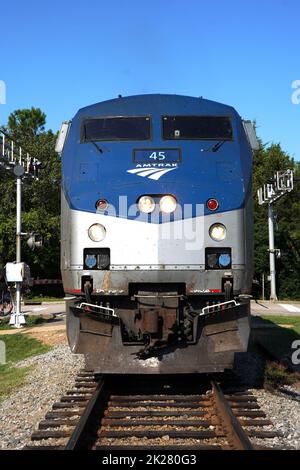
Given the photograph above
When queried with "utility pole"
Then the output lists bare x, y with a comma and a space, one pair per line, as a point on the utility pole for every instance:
281, 184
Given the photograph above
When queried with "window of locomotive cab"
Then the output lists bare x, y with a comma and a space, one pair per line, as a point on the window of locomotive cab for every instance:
196, 127
116, 128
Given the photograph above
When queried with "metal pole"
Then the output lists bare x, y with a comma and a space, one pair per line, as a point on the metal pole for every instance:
273, 295
18, 318
19, 220
263, 286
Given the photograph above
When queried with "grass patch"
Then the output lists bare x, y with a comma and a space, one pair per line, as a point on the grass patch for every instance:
31, 320
4, 324
276, 376
18, 347
41, 298
11, 378
278, 340
293, 321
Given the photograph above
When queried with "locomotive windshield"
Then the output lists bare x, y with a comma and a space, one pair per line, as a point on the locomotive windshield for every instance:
116, 128
197, 127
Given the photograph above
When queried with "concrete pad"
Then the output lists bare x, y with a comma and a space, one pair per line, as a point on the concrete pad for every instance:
285, 309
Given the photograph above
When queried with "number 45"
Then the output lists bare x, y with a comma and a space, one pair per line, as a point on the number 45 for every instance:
157, 155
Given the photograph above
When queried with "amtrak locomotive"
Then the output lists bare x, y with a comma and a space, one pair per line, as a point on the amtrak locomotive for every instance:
156, 234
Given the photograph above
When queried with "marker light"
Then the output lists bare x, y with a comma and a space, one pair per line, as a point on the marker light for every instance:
224, 260
217, 232
212, 204
101, 204
97, 232
168, 204
146, 204
91, 261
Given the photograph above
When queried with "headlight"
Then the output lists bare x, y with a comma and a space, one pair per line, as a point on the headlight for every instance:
168, 204
217, 232
97, 232
146, 204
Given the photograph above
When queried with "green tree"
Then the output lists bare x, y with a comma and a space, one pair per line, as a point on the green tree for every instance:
26, 123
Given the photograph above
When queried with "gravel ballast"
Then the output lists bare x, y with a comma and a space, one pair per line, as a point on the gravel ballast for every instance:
53, 374
283, 409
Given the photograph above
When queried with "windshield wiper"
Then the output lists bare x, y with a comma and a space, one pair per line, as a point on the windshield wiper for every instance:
215, 147
219, 144
97, 146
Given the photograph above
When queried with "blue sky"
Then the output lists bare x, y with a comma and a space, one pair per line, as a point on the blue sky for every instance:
62, 55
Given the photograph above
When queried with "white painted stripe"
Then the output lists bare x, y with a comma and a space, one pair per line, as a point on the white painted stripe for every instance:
290, 308
135, 170
39, 309
147, 172
141, 171
157, 175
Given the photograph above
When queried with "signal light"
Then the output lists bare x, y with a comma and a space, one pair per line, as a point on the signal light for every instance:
35, 240
212, 204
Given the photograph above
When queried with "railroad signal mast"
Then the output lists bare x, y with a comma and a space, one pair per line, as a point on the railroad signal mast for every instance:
282, 183
14, 160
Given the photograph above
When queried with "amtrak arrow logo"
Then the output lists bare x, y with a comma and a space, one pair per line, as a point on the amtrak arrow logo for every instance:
152, 173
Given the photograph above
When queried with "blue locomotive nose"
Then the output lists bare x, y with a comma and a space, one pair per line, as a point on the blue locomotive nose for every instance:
156, 234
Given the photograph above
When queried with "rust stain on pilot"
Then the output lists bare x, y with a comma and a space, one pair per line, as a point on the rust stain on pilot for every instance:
150, 320
106, 281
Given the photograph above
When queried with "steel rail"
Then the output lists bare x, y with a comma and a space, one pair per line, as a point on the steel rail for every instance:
238, 437
78, 434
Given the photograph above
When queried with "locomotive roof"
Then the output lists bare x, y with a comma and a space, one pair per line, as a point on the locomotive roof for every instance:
149, 103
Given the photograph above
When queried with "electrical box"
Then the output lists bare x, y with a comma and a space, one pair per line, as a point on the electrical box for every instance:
14, 272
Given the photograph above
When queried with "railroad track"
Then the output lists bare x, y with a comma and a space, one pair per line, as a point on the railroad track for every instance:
159, 414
